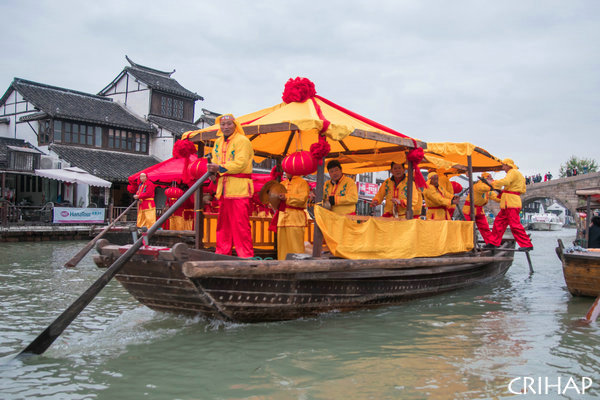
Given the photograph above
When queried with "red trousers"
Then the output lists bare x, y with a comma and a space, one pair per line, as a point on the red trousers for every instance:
233, 227
509, 217
482, 223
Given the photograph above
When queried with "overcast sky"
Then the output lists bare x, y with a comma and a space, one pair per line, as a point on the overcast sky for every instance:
519, 78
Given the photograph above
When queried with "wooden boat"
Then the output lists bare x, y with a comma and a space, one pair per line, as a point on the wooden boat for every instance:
581, 270
182, 280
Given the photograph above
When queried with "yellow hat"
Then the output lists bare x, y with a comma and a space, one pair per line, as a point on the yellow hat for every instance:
485, 175
238, 126
509, 162
431, 175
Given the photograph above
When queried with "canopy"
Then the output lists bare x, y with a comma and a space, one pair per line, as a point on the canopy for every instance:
166, 172
296, 123
72, 175
458, 153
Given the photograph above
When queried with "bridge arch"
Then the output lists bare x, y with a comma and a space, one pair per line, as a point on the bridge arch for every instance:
561, 190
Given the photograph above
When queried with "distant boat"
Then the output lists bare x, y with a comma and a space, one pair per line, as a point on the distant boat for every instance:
545, 222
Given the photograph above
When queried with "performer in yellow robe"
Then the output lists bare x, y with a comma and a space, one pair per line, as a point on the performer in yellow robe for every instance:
340, 191
394, 191
482, 194
146, 207
232, 159
510, 206
437, 200
292, 219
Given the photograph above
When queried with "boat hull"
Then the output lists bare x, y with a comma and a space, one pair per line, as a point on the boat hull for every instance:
545, 226
162, 285
581, 271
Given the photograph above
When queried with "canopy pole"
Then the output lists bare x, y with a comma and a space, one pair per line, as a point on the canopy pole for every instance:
471, 198
409, 192
199, 207
317, 234
587, 221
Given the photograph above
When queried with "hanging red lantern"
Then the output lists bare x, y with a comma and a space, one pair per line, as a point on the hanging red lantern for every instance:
299, 163
197, 168
173, 192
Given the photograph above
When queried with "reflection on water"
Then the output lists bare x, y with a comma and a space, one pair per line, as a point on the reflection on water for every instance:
464, 345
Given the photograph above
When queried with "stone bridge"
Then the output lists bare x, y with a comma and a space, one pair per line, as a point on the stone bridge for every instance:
562, 190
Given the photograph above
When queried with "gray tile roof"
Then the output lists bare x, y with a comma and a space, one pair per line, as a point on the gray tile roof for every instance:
113, 166
60, 103
161, 81
177, 127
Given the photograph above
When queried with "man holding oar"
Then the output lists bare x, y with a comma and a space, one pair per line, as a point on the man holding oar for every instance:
232, 160
513, 185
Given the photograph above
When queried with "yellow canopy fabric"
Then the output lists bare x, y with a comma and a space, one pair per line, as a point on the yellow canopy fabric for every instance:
413, 238
457, 153
346, 133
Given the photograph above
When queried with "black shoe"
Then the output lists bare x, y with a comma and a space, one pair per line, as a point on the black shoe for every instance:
530, 248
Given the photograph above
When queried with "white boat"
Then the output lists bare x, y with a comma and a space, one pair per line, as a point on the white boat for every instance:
545, 222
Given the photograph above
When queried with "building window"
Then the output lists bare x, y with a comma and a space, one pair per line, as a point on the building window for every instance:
125, 140
58, 131
170, 107
44, 136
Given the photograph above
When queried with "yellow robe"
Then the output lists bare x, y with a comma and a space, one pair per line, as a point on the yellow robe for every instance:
437, 197
482, 194
235, 157
514, 181
389, 190
346, 195
292, 222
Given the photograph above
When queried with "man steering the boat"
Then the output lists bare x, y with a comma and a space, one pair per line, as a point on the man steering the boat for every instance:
394, 191
510, 206
340, 191
232, 162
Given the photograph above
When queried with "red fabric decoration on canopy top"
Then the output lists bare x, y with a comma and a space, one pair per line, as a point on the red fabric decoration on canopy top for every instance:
183, 149
415, 156
298, 90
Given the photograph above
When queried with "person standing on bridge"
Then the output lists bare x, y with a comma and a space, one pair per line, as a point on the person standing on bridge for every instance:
510, 207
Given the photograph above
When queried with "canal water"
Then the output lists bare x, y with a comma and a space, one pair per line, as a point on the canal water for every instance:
481, 343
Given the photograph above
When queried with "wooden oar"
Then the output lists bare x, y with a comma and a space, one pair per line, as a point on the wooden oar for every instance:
593, 312
49, 335
79, 256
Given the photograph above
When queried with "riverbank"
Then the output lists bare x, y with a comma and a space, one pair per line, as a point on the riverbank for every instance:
40, 233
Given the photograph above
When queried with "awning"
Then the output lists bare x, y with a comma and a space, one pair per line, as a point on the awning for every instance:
72, 175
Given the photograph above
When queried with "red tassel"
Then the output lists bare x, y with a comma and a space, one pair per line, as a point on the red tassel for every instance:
183, 149
415, 156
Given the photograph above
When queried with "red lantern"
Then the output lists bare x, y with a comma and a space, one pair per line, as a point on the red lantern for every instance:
197, 168
299, 163
173, 192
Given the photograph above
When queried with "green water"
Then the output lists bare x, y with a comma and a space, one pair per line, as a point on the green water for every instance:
464, 345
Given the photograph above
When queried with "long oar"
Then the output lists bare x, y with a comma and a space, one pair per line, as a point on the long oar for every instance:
593, 312
79, 256
49, 335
